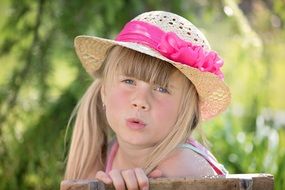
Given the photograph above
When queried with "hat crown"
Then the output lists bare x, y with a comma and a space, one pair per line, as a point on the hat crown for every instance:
170, 22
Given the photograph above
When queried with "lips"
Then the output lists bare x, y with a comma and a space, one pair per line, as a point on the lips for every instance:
135, 123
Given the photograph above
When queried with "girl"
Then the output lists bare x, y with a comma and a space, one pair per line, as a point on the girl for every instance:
152, 86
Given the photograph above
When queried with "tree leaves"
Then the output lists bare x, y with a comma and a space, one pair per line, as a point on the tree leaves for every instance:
36, 47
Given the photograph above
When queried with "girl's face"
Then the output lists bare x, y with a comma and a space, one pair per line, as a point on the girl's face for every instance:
141, 113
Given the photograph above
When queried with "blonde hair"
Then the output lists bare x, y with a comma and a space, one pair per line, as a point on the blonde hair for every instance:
88, 148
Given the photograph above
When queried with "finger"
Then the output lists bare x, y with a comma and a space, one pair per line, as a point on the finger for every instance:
142, 179
130, 179
155, 173
103, 177
117, 179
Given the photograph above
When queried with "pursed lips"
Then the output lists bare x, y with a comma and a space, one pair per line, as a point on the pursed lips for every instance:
135, 123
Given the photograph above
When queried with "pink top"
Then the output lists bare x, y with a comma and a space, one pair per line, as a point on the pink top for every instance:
190, 143
111, 156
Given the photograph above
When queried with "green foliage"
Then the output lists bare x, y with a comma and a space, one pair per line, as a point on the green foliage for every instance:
41, 81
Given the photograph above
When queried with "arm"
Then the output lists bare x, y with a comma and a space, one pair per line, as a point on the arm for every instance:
185, 162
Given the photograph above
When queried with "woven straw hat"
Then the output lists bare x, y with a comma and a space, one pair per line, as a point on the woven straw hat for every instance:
214, 95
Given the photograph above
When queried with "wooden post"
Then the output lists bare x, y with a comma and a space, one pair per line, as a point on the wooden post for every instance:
229, 182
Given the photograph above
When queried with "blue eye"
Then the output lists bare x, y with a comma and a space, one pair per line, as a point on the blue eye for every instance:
162, 90
128, 81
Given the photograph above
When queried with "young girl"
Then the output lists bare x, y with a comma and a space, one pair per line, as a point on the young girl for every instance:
152, 86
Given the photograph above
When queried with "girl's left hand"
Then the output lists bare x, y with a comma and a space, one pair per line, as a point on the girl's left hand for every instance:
132, 179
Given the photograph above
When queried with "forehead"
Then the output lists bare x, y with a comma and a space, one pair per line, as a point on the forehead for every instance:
177, 80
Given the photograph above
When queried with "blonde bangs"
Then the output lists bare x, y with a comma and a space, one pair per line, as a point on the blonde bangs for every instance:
138, 65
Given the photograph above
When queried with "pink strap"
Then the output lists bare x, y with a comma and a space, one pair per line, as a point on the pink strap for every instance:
111, 156
219, 168
171, 46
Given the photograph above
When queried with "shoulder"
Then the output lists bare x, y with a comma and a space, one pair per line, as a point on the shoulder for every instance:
185, 162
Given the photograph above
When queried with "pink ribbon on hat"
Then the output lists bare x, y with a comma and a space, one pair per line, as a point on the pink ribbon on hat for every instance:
171, 46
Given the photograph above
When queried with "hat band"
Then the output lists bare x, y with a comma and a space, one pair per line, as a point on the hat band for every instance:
171, 46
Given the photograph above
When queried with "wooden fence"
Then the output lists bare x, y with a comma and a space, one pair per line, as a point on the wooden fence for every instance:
230, 182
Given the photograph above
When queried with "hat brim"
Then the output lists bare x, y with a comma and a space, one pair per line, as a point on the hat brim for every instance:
214, 94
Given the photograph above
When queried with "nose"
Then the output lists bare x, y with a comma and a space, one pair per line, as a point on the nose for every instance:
140, 106
141, 100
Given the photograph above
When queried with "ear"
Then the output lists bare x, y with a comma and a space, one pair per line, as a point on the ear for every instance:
102, 93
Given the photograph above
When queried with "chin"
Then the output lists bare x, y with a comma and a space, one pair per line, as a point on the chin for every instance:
138, 142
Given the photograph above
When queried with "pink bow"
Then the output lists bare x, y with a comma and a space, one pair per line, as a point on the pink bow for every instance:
172, 47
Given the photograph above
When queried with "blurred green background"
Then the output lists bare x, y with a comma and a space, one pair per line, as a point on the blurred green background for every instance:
41, 80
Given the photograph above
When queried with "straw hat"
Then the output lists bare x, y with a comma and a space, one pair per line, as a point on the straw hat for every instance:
171, 38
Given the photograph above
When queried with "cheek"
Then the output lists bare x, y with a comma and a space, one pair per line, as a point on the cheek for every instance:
115, 102
168, 112
116, 98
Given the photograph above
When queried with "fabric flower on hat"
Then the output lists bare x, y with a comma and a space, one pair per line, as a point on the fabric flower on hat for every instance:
172, 47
